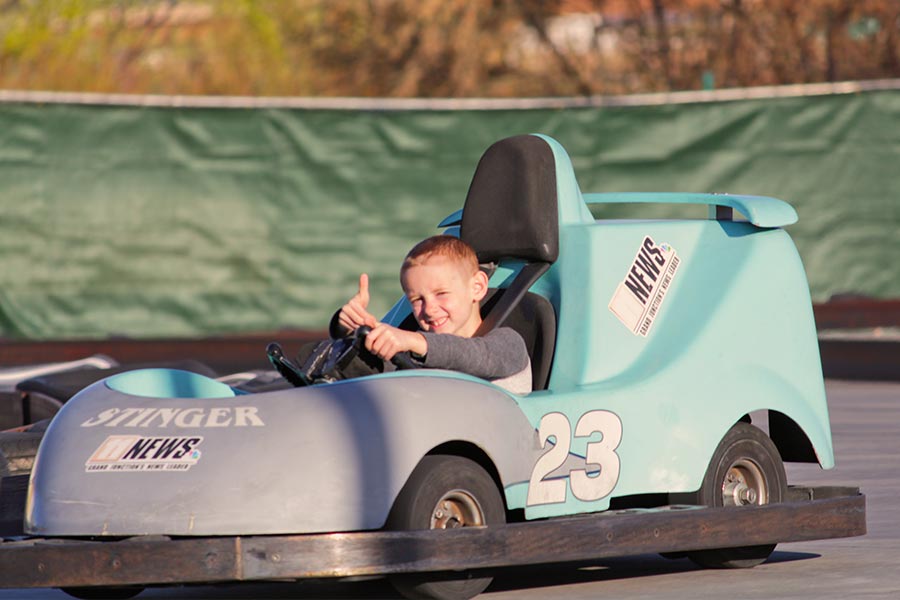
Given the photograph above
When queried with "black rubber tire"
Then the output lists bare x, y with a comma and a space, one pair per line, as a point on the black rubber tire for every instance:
103, 593
432, 480
744, 447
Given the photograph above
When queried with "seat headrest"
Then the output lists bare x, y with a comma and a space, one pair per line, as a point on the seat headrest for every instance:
511, 208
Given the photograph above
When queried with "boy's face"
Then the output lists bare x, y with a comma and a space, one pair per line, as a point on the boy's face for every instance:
445, 296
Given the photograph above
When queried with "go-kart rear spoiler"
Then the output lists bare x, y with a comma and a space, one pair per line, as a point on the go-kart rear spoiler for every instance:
761, 211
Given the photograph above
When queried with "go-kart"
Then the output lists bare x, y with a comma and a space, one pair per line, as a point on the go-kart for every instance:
675, 368
15, 410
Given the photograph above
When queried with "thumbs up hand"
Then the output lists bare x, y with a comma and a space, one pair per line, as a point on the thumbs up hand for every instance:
356, 313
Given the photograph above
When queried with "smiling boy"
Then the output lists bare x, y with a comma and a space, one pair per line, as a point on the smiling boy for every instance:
444, 286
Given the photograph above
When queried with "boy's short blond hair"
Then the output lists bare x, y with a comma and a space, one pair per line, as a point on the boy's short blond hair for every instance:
442, 245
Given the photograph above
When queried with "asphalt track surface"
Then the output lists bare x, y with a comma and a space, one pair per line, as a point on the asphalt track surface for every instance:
865, 419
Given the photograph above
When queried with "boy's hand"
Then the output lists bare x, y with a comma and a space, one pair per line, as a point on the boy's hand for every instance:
385, 341
355, 313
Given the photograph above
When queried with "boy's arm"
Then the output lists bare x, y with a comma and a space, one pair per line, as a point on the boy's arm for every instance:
500, 353
385, 341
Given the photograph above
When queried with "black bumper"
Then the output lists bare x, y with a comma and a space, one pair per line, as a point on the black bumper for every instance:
811, 513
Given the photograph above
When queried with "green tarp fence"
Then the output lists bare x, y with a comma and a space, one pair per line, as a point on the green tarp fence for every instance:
146, 220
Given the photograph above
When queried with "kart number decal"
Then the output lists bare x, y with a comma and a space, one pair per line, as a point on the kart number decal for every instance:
548, 491
601, 455
638, 298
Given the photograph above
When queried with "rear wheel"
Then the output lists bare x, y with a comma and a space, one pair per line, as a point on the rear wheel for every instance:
746, 469
445, 492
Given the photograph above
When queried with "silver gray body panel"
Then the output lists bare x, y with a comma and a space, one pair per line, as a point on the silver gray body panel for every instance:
328, 458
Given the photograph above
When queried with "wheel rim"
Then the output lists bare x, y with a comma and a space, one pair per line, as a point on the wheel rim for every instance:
744, 484
456, 509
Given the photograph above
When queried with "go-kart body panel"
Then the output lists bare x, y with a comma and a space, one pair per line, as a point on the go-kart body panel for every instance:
324, 458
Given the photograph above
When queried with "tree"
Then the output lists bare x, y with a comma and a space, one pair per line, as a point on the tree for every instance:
428, 48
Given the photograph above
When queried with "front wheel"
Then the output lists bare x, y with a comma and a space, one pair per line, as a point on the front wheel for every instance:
445, 492
746, 469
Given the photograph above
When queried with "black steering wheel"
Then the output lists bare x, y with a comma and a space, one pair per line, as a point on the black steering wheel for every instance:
404, 361
401, 360
328, 360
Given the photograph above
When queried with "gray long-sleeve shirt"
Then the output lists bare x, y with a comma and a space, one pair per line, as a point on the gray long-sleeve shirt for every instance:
499, 356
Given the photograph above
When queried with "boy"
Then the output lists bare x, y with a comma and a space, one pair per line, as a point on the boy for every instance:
444, 286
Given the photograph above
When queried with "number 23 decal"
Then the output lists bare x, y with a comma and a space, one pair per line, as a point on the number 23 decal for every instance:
600, 454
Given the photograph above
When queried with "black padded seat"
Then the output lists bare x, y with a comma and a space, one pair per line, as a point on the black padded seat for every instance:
534, 319
511, 207
511, 212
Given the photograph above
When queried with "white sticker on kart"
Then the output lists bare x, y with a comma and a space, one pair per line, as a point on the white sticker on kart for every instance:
129, 453
639, 297
602, 465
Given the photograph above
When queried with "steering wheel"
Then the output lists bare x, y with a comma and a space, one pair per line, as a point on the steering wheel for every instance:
328, 360
403, 361
338, 354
